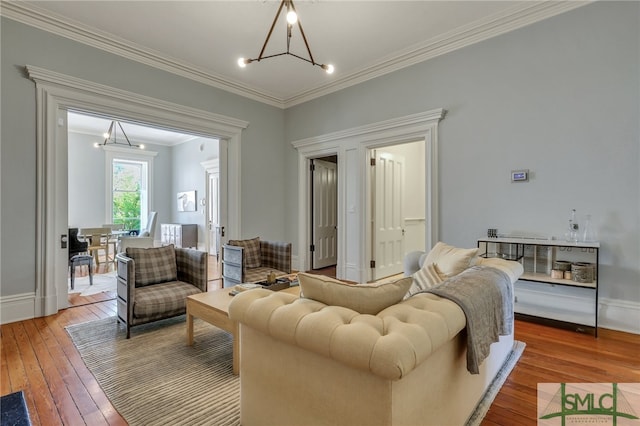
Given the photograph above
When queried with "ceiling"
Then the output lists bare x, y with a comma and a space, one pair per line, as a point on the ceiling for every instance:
203, 40
96, 127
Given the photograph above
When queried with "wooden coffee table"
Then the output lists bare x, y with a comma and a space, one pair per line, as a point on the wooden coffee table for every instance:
213, 307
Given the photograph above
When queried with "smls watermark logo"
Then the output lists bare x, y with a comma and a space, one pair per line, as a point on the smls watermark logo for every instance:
615, 404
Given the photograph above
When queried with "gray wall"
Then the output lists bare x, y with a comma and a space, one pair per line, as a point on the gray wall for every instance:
189, 175
262, 142
559, 97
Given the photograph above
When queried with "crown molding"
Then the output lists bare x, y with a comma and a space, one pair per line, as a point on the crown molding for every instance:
44, 20
480, 30
509, 20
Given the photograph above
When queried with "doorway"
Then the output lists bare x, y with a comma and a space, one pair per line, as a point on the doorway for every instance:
116, 185
56, 94
324, 214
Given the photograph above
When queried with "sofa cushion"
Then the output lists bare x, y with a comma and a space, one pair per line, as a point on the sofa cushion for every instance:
154, 265
362, 298
428, 276
451, 260
252, 255
162, 300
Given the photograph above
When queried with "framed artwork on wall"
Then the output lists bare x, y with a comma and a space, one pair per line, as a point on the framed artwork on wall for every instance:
187, 201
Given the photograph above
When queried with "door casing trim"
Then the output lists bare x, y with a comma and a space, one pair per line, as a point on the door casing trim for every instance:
354, 145
54, 92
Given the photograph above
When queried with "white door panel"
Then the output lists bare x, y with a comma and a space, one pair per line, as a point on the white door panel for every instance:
325, 210
388, 216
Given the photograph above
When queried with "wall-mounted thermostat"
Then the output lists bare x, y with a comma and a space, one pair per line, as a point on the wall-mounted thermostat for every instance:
520, 175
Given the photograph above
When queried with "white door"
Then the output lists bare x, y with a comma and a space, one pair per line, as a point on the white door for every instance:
388, 217
325, 211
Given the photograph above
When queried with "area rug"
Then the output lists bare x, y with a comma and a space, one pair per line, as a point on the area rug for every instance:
492, 391
13, 410
155, 379
101, 282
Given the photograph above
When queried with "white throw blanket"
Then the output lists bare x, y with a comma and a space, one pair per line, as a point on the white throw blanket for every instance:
485, 295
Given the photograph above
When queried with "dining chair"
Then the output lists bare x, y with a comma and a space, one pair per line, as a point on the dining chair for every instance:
98, 240
114, 236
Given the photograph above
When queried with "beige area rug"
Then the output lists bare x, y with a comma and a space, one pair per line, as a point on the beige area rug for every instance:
101, 282
155, 379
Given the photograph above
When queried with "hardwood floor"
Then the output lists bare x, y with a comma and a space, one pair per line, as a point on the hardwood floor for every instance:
39, 358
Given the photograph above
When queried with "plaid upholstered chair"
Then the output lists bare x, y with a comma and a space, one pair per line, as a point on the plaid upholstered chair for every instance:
245, 261
153, 283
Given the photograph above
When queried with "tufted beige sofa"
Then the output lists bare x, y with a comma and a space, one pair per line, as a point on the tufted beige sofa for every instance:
306, 363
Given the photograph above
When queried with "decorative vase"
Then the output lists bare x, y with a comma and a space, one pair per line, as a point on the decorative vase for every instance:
588, 233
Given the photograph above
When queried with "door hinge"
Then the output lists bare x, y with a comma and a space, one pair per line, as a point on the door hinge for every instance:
373, 161
312, 167
372, 264
312, 247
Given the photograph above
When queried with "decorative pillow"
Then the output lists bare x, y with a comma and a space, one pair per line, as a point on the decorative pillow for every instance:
154, 265
451, 260
427, 277
362, 298
252, 255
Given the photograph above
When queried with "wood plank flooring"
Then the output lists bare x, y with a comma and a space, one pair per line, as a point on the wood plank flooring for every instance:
39, 358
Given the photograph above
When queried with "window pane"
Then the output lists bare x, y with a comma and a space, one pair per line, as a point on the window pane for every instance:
127, 180
126, 176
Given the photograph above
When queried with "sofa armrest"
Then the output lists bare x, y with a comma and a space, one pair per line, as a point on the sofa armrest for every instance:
276, 255
192, 267
126, 273
411, 262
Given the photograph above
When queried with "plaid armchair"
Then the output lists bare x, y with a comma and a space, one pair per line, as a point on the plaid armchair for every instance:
153, 283
252, 260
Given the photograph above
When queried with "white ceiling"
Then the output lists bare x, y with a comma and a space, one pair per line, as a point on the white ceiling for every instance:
202, 40
137, 134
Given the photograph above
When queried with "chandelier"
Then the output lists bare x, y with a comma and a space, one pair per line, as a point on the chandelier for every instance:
292, 19
111, 137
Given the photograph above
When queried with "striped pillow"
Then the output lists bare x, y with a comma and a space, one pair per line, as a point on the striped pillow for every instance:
154, 265
428, 276
252, 255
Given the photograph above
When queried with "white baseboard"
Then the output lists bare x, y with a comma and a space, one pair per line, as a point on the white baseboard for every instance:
621, 315
17, 307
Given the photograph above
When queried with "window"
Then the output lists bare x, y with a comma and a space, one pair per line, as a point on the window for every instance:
129, 192
129, 186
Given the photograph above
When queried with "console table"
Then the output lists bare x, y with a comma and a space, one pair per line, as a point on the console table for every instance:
551, 262
179, 234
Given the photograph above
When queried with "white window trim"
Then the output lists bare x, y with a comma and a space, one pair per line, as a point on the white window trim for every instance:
117, 153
